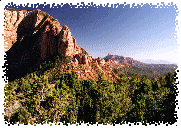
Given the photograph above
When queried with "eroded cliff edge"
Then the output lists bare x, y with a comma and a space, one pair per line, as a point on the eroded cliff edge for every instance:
49, 36
33, 35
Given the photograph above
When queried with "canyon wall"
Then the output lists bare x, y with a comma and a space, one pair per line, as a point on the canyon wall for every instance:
49, 36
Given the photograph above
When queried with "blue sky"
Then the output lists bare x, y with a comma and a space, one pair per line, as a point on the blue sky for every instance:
141, 32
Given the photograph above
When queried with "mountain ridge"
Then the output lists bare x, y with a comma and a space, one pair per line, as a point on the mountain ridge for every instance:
37, 36
146, 61
152, 61
51, 79
33, 36
128, 64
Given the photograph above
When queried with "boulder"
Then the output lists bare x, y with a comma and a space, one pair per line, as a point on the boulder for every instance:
100, 61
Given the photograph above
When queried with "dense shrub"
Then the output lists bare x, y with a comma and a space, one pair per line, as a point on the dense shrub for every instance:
48, 95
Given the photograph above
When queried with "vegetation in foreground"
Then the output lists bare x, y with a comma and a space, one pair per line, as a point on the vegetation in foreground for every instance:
48, 95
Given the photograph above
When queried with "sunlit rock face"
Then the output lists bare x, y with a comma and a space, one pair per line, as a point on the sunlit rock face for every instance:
31, 23
66, 43
43, 30
31, 36
11, 22
100, 61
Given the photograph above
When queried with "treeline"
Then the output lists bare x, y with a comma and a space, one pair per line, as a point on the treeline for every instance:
48, 95
150, 71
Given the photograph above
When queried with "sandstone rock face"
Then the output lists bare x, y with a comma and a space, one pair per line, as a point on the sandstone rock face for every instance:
83, 58
67, 44
12, 20
121, 59
49, 36
32, 36
76, 62
100, 61
112, 62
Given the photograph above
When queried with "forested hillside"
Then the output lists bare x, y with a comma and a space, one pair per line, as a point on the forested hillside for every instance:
49, 95
52, 79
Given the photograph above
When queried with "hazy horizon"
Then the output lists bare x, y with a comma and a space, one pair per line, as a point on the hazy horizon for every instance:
151, 61
140, 32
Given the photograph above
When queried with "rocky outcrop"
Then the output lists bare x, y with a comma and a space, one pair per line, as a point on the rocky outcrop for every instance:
33, 36
120, 59
12, 108
83, 58
112, 62
12, 20
48, 35
67, 43
100, 61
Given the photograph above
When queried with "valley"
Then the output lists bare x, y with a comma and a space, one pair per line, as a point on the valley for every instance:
52, 79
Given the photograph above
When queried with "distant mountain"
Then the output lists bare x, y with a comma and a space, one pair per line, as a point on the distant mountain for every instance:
52, 79
128, 64
32, 37
151, 61
132, 62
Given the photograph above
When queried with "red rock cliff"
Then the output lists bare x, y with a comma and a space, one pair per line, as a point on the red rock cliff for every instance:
32, 36
50, 36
